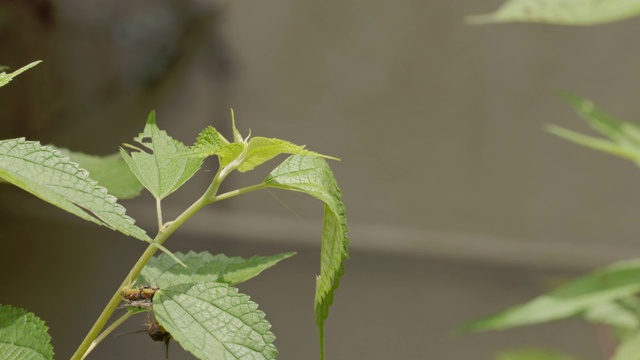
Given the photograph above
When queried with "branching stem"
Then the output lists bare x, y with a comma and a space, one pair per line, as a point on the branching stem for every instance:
108, 331
237, 192
163, 234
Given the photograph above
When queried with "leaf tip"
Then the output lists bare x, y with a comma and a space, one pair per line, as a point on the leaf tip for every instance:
151, 119
236, 134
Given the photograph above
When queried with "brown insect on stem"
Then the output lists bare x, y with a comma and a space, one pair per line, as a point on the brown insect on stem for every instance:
139, 297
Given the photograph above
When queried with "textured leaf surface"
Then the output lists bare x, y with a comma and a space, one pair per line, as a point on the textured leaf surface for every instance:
565, 12
533, 354
213, 321
312, 175
629, 348
51, 176
23, 336
6, 78
623, 137
210, 142
110, 171
250, 153
163, 272
608, 284
165, 169
261, 150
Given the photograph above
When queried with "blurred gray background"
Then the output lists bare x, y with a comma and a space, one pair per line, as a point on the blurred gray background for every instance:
459, 204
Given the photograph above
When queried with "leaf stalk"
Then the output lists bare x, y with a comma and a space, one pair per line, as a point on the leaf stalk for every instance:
163, 233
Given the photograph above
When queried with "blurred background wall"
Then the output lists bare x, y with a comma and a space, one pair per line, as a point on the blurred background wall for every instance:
459, 204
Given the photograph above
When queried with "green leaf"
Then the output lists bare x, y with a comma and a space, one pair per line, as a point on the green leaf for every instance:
51, 176
564, 12
23, 336
110, 171
614, 282
533, 354
261, 150
248, 153
629, 348
211, 142
619, 314
6, 78
594, 143
312, 175
213, 321
204, 267
623, 137
163, 170
236, 134
617, 130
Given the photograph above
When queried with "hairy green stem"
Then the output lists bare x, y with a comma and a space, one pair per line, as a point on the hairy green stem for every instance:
163, 234
108, 331
237, 192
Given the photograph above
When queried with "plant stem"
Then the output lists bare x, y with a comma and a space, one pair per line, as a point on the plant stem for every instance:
237, 192
108, 331
159, 211
163, 234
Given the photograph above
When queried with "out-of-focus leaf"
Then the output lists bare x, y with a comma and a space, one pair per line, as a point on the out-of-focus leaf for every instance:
614, 282
565, 12
629, 348
617, 314
623, 137
533, 354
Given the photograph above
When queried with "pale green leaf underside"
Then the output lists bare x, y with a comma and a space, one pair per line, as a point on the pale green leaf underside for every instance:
163, 272
623, 137
49, 175
615, 282
261, 150
165, 169
629, 348
23, 335
110, 171
312, 175
213, 321
565, 12
6, 78
533, 354
617, 314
